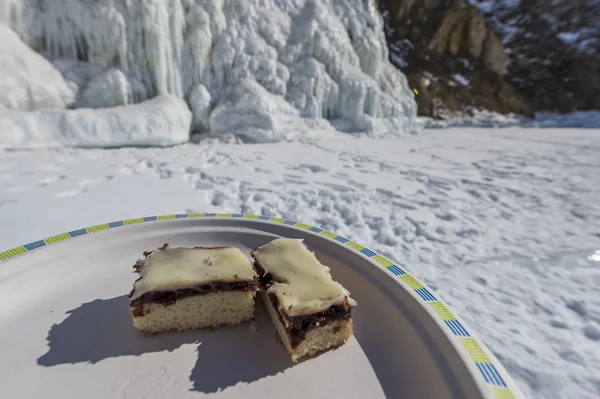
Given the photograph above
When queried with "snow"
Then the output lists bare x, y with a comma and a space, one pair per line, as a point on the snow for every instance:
478, 118
474, 118
27, 80
569, 37
162, 121
461, 79
502, 223
316, 60
579, 119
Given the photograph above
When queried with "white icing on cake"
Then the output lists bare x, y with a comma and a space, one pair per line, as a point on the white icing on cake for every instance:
303, 285
175, 268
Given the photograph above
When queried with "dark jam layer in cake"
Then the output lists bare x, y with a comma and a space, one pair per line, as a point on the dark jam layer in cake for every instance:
169, 297
298, 326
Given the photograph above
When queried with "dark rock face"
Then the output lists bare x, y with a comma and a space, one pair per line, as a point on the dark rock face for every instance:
462, 55
554, 50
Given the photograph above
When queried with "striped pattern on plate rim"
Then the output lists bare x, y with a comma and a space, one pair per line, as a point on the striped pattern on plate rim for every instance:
489, 373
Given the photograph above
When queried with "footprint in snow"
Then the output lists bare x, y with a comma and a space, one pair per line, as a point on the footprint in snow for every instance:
592, 332
312, 168
218, 198
52, 167
11, 201
88, 181
295, 181
17, 189
70, 193
336, 187
51, 179
261, 170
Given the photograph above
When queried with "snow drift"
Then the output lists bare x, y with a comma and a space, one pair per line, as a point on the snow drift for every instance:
162, 121
316, 59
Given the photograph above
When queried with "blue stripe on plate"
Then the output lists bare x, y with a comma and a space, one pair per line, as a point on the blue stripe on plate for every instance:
181, 216
208, 215
77, 232
425, 294
150, 218
34, 245
316, 229
457, 328
368, 252
396, 270
237, 215
264, 218
290, 222
115, 224
484, 373
495, 375
341, 239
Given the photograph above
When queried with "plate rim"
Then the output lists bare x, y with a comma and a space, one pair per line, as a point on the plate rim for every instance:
473, 352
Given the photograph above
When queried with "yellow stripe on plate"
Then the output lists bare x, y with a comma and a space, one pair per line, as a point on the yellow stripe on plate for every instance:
412, 283
354, 245
500, 393
382, 261
224, 215
133, 221
166, 217
251, 216
328, 234
12, 252
475, 350
99, 227
303, 226
277, 220
195, 215
442, 310
60, 237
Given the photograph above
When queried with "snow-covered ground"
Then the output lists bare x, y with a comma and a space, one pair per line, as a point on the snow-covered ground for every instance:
503, 223
477, 118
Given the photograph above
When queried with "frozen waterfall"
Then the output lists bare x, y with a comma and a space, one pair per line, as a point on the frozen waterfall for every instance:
255, 68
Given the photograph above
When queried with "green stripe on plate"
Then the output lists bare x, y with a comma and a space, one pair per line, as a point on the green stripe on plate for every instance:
57, 238
99, 227
12, 252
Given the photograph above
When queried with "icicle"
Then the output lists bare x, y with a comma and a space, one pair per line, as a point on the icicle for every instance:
327, 58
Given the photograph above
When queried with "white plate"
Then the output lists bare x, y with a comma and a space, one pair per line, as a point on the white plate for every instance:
66, 330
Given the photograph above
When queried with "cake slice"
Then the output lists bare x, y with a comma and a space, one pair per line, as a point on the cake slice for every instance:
191, 288
311, 311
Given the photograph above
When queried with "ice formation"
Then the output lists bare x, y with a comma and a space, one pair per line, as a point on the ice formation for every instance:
111, 89
306, 59
27, 80
161, 121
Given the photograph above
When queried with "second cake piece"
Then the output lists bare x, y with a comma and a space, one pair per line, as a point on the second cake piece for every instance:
310, 310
